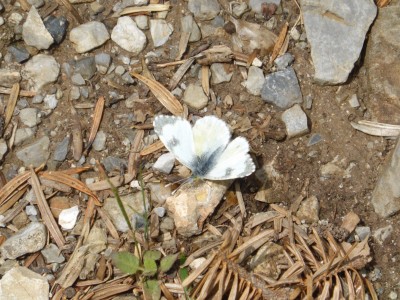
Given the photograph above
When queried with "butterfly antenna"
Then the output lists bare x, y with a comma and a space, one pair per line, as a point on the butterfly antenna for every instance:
183, 180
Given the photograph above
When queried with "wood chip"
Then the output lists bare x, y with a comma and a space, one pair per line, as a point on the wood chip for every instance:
152, 148
350, 221
134, 155
162, 94
22, 93
12, 101
97, 116
145, 8
205, 79
279, 42
183, 42
377, 129
77, 139
219, 53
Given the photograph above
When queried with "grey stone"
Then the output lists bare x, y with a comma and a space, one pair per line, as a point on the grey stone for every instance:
336, 32
188, 24
103, 61
52, 254
128, 36
23, 284
381, 234
221, 73
36, 153
165, 163
194, 96
282, 88
23, 134
204, 9
86, 67
41, 70
97, 7
75, 93
386, 195
112, 163
57, 27
77, 79
50, 101
29, 239
9, 77
88, 36
61, 151
314, 139
160, 31
363, 232
34, 32
18, 53
128, 3
159, 211
84, 92
255, 81
99, 143
295, 120
353, 101
167, 224
119, 70
134, 207
383, 66
22, 103
142, 22
255, 5
127, 78
283, 61
29, 116
3, 148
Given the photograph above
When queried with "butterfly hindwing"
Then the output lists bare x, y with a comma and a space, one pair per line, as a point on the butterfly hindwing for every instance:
234, 162
176, 135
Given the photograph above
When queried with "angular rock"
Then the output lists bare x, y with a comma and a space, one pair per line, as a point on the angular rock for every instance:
282, 88
255, 81
77, 79
221, 73
50, 101
23, 284
30, 239
68, 217
99, 143
29, 116
134, 208
142, 22
34, 32
336, 31
9, 77
36, 3
86, 67
194, 96
295, 120
57, 27
112, 163
386, 195
19, 54
160, 31
188, 24
383, 97
41, 70
23, 134
103, 61
128, 36
283, 61
51, 254
164, 163
204, 9
36, 153
88, 36
61, 151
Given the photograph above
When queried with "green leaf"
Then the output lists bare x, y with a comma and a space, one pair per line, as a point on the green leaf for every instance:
151, 290
167, 262
183, 273
126, 262
150, 267
152, 254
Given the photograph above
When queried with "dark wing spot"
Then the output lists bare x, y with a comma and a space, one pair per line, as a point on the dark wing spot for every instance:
228, 171
173, 142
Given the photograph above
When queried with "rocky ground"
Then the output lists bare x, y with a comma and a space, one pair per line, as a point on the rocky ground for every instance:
299, 80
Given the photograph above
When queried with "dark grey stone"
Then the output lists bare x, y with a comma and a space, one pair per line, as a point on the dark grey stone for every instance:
19, 54
61, 151
112, 163
57, 27
86, 67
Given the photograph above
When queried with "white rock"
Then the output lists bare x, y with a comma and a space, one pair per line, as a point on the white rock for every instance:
89, 36
165, 163
41, 70
34, 32
50, 101
67, 218
23, 284
160, 31
128, 36
221, 72
255, 81
295, 120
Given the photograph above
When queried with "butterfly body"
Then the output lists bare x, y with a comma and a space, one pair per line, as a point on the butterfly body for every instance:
205, 148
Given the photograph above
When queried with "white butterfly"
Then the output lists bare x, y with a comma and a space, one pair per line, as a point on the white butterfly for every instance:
205, 148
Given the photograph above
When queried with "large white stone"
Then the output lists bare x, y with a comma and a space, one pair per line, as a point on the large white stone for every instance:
41, 70
34, 32
160, 31
128, 36
89, 36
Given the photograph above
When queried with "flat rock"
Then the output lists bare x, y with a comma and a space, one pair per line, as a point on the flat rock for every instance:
383, 96
194, 96
336, 32
295, 120
386, 195
23, 284
29, 239
29, 116
61, 151
255, 81
34, 32
160, 31
41, 70
282, 88
9, 77
164, 163
204, 9
283, 61
134, 208
128, 36
188, 24
221, 73
86, 67
36, 153
51, 254
88, 36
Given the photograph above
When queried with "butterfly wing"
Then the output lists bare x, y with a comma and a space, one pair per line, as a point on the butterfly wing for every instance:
176, 135
234, 162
